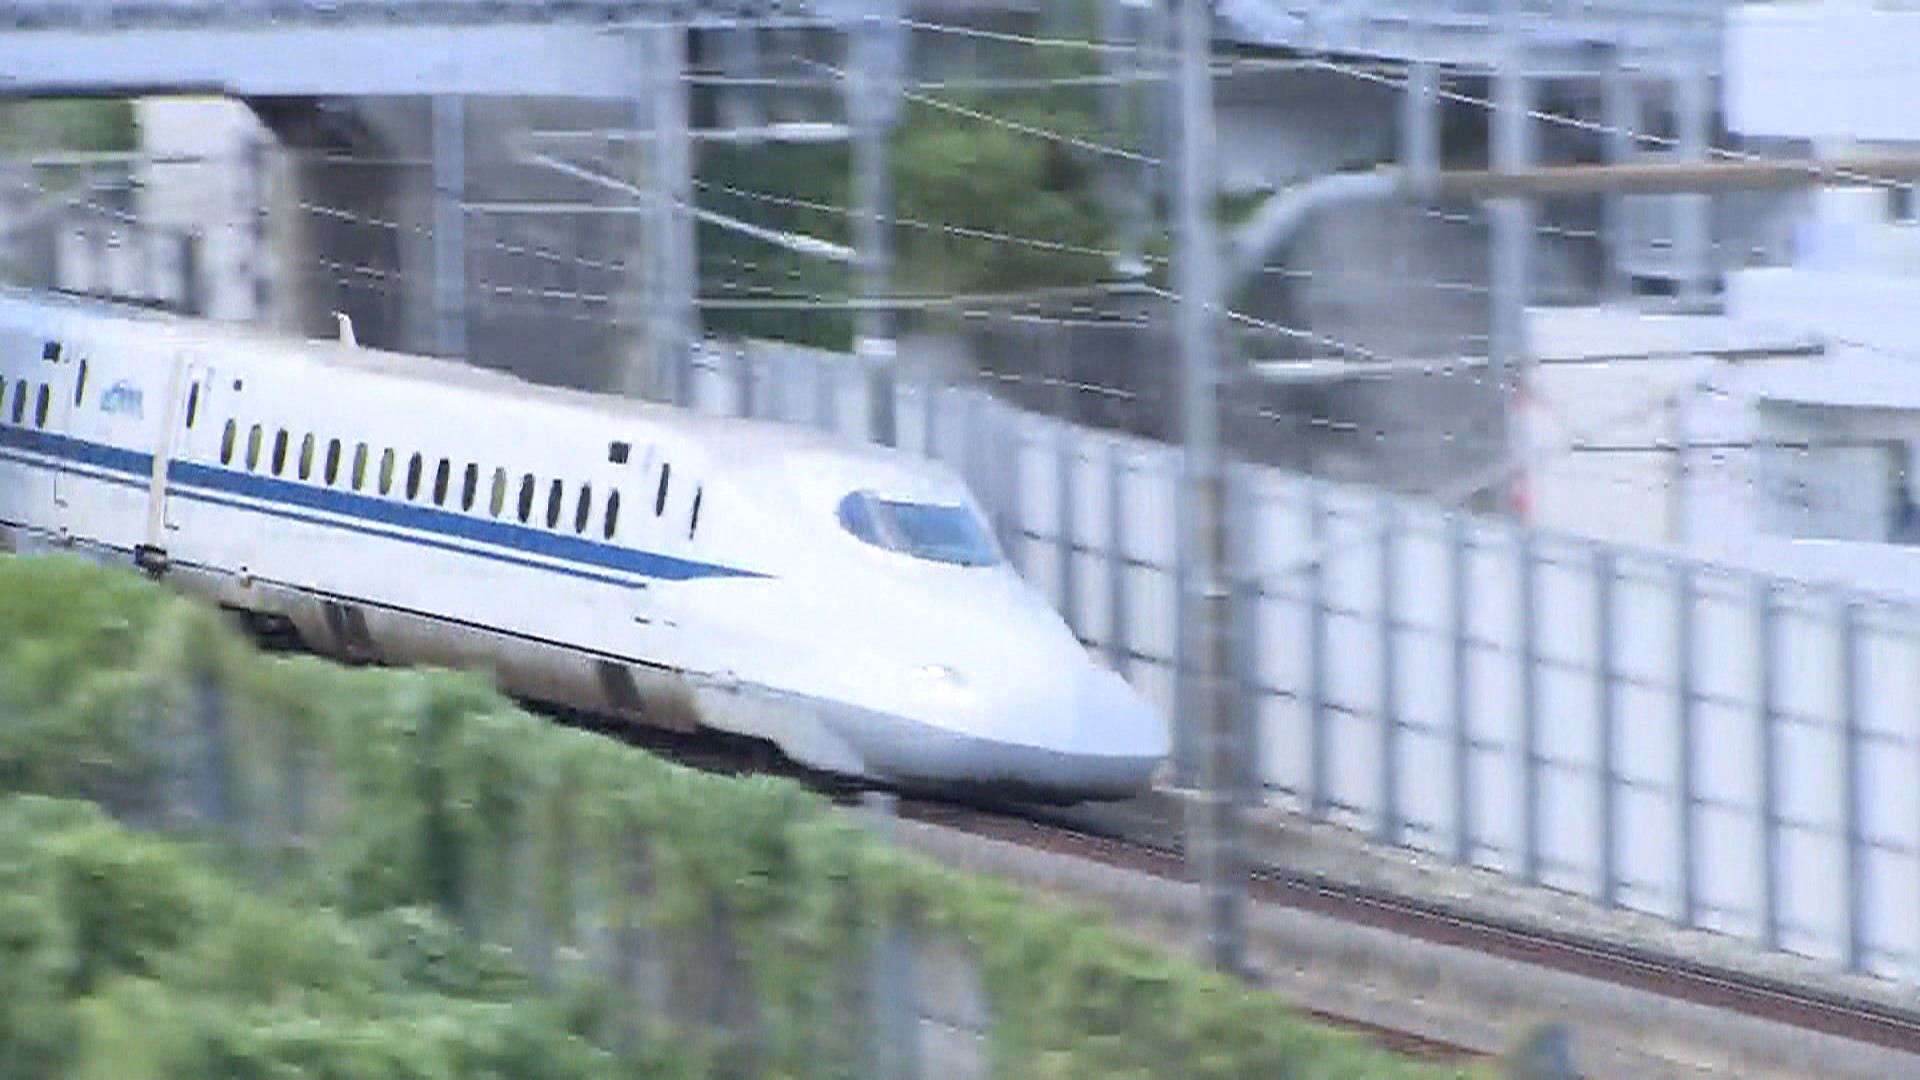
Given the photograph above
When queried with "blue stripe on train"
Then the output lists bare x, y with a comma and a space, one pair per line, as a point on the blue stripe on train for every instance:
286, 499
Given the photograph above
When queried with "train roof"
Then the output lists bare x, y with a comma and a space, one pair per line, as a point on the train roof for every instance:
726, 436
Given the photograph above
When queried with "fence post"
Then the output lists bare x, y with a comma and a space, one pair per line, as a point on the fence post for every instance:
1461, 571
1531, 825
1606, 675
1852, 781
1321, 773
1014, 440
1243, 568
896, 1011
214, 802
1686, 679
1390, 825
1066, 464
1184, 707
1768, 627
1119, 625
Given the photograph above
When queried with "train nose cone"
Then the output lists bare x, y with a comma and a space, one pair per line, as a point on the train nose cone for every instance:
1118, 739
1112, 718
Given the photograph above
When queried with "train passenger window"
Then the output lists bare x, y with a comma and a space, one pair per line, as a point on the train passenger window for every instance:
80, 384
584, 510
253, 448
693, 522
498, 501
40, 402
306, 456
333, 461
469, 486
227, 438
279, 451
20, 402
193, 403
413, 477
359, 466
617, 452
553, 505
441, 473
526, 497
613, 512
660, 497
386, 471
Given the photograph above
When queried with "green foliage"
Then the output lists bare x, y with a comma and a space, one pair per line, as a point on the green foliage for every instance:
85, 124
967, 167
457, 847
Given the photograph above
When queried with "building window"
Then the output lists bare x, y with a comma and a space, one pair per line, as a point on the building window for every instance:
1902, 205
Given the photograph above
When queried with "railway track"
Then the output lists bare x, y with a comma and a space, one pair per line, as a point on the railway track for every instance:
1425, 920
1415, 918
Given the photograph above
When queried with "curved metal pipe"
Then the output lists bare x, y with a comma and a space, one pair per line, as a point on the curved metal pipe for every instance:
1280, 217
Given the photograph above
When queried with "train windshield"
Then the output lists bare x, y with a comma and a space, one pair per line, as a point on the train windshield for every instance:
946, 534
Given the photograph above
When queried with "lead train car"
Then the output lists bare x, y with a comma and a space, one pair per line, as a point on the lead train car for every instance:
843, 602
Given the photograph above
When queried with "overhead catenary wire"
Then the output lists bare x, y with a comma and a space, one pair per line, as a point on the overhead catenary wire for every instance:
1243, 318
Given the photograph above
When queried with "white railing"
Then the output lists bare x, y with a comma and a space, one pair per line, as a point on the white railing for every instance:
1726, 749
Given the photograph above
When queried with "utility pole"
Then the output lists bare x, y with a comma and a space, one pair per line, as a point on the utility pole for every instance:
1512, 219
1214, 842
674, 321
873, 73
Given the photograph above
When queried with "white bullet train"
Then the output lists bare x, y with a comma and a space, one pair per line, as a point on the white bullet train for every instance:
843, 602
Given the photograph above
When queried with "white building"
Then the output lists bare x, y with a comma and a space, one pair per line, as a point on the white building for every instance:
1807, 458
204, 174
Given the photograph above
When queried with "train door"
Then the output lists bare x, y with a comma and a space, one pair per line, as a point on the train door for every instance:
183, 421
49, 409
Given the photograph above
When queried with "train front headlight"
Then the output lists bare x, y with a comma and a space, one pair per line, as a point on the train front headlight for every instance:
941, 681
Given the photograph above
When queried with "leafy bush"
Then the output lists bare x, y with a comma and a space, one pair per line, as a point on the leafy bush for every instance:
486, 882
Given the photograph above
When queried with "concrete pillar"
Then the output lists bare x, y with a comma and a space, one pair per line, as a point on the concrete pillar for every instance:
1621, 117
1420, 125
449, 225
1693, 217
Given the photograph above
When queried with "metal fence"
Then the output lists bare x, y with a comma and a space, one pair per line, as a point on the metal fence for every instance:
1728, 750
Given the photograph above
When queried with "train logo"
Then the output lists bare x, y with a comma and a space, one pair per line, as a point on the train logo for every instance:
123, 398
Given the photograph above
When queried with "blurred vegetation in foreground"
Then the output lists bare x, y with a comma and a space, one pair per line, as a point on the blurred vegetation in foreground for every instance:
215, 862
